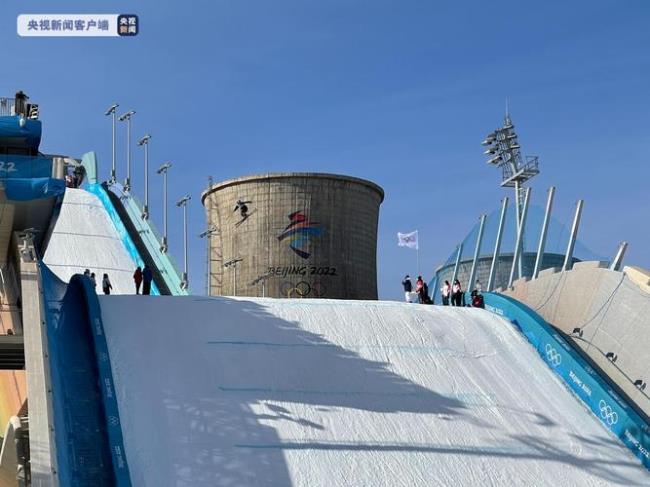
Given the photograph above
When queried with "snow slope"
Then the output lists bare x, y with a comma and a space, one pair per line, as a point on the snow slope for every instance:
245, 392
84, 237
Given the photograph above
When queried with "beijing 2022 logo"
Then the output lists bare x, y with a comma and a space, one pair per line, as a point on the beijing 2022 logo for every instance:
300, 232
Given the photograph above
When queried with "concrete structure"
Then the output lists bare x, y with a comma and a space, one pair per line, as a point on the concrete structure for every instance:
294, 235
611, 310
39, 386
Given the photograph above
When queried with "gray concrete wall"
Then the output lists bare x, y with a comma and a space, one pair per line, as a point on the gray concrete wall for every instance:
341, 260
612, 310
39, 387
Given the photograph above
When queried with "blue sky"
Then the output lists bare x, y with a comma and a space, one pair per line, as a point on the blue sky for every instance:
399, 92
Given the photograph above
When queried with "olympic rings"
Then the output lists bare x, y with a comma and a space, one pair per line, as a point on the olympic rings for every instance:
607, 413
552, 355
302, 289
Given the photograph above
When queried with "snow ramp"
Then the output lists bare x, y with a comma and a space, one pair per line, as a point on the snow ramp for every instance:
85, 237
226, 391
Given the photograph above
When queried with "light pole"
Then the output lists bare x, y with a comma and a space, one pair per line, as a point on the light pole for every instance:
183, 203
144, 141
262, 280
163, 170
112, 111
233, 263
208, 234
127, 117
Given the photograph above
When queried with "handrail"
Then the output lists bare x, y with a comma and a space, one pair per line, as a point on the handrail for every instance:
7, 106
151, 239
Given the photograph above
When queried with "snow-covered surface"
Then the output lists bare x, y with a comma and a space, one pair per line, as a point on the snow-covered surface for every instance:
84, 237
245, 392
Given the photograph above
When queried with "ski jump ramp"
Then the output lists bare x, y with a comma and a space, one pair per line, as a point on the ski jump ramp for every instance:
247, 392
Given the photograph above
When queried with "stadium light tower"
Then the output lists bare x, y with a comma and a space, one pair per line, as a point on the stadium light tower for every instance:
127, 117
112, 111
144, 141
504, 151
182, 203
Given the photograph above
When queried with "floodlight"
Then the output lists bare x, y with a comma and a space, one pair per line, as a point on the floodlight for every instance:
183, 201
164, 167
494, 160
127, 115
111, 109
144, 140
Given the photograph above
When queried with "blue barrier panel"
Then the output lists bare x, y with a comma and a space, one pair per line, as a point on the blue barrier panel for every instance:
17, 166
22, 189
27, 135
88, 435
127, 241
594, 390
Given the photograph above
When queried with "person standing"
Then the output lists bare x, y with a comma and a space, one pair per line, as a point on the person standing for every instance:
137, 278
93, 279
408, 287
478, 287
106, 284
147, 277
425, 294
456, 293
446, 293
419, 289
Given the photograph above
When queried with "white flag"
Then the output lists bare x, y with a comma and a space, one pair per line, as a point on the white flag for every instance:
409, 240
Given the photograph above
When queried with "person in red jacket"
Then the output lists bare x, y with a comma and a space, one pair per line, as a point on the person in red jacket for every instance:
137, 278
419, 289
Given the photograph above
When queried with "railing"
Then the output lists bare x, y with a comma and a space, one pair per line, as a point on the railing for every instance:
7, 106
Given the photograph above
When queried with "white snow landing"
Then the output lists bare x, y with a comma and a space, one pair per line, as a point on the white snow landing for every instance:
84, 237
258, 392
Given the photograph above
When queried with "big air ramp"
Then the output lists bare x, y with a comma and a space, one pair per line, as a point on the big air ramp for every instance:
219, 391
84, 237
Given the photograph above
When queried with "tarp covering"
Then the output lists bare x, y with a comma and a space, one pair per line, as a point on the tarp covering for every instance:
222, 391
16, 166
13, 135
32, 189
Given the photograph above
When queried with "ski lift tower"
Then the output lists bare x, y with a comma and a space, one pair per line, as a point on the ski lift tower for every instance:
505, 152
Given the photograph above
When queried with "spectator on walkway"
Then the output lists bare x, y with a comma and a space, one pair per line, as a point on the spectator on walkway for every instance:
87, 273
477, 299
93, 279
408, 287
446, 293
456, 294
137, 278
106, 284
147, 277
419, 289
425, 294
478, 287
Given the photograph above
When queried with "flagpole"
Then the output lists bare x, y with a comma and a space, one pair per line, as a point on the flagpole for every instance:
418, 250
